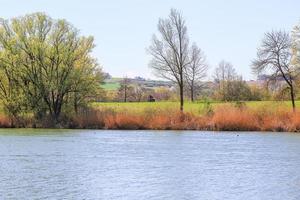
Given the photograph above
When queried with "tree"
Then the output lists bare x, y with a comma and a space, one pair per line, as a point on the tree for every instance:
138, 92
225, 75
163, 93
86, 87
196, 70
231, 86
170, 50
257, 93
46, 61
274, 57
125, 90
239, 91
296, 46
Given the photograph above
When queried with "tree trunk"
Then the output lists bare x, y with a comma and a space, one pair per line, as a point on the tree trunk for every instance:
57, 109
181, 97
76, 107
125, 94
192, 93
293, 97
75, 104
56, 114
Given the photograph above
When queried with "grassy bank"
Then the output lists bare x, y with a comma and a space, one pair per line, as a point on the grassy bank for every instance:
249, 116
190, 107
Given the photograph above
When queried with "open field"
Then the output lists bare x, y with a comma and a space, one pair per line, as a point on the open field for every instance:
191, 107
113, 84
110, 86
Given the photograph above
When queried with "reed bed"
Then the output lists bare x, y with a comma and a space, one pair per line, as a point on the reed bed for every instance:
225, 117
221, 118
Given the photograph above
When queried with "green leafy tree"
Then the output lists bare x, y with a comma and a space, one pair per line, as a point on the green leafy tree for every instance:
48, 62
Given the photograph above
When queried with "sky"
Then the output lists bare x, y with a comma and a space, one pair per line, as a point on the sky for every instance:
228, 30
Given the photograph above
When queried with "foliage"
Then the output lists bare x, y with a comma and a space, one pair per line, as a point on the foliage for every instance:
230, 86
125, 91
45, 66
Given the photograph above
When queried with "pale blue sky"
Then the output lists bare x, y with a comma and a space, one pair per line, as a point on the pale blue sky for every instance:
224, 29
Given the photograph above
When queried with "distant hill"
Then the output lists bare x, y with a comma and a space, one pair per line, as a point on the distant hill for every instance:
113, 83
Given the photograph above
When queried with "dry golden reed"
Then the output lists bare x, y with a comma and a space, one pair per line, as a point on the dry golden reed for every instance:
222, 118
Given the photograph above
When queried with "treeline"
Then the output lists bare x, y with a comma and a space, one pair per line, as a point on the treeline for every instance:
233, 89
46, 68
130, 90
229, 86
226, 86
174, 59
47, 72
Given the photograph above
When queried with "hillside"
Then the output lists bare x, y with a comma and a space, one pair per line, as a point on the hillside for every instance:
114, 83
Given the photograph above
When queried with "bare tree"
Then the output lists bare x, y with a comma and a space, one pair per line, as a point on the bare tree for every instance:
196, 70
225, 71
170, 51
125, 89
296, 46
224, 76
138, 92
274, 57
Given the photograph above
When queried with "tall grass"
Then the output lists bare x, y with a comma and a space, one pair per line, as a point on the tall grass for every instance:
225, 117
5, 122
222, 117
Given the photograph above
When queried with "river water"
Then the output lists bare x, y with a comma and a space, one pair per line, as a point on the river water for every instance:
164, 165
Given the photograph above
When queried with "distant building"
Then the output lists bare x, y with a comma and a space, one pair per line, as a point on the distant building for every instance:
139, 78
151, 98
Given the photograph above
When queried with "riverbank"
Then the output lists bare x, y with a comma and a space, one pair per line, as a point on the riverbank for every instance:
223, 117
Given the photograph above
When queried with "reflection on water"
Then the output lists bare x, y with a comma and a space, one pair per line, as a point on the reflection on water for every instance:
56, 164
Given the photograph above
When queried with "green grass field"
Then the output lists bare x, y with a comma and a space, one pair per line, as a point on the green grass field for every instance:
110, 86
196, 107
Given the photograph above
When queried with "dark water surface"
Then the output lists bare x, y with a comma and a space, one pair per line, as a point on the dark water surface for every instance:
141, 165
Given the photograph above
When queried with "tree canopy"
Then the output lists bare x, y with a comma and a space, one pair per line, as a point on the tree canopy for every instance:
46, 66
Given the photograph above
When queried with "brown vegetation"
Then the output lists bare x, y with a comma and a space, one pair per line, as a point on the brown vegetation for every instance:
222, 118
4, 122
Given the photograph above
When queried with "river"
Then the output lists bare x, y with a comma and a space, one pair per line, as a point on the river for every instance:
138, 165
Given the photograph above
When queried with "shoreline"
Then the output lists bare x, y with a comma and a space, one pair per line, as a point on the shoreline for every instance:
146, 130
218, 118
